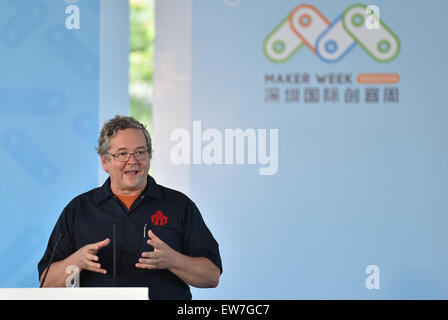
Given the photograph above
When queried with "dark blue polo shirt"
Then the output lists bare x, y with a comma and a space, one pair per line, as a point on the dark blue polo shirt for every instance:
171, 215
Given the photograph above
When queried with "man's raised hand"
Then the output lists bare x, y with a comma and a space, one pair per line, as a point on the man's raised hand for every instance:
87, 259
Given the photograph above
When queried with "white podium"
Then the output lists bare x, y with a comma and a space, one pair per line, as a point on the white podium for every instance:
111, 293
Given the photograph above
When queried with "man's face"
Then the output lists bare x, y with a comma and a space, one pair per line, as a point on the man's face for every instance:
127, 178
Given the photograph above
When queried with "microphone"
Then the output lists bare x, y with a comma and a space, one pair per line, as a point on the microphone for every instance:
114, 255
61, 235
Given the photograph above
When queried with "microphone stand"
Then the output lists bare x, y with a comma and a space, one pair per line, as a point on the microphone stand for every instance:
51, 258
114, 256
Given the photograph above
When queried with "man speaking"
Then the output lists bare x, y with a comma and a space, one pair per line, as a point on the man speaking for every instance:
132, 232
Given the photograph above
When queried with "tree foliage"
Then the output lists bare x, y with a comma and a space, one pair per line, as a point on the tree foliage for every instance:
141, 57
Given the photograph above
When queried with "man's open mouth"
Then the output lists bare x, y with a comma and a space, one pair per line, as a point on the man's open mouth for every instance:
131, 172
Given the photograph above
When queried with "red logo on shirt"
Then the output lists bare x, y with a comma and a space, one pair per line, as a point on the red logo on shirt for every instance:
159, 218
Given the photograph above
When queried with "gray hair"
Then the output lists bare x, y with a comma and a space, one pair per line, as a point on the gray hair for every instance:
111, 128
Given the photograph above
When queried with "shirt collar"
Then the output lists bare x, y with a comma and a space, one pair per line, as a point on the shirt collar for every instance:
152, 190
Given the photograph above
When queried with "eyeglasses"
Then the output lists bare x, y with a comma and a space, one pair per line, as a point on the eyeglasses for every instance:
125, 156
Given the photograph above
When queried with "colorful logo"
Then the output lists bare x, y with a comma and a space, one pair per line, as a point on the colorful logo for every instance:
159, 219
306, 25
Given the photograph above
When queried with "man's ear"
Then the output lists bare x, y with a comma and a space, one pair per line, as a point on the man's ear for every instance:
104, 162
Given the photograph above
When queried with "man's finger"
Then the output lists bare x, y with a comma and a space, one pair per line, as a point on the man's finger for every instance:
92, 266
154, 241
153, 237
103, 243
98, 245
98, 270
145, 266
91, 257
152, 262
149, 254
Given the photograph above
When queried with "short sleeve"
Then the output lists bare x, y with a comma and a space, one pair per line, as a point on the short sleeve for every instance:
198, 240
66, 245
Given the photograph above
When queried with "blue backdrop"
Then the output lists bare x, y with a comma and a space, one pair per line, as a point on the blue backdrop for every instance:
49, 91
362, 167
